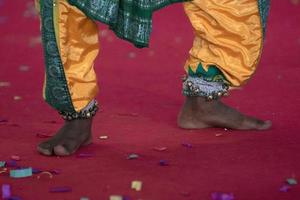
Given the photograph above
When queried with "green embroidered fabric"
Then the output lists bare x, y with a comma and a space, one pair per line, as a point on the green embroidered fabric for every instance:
131, 20
213, 74
264, 7
56, 90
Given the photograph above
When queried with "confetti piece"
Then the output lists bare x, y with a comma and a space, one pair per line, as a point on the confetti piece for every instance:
160, 148
136, 185
21, 173
132, 55
127, 198
6, 191
163, 163
2, 163
60, 189
49, 174
4, 170
36, 171
219, 134
23, 68
284, 188
17, 98
291, 181
221, 196
133, 156
85, 155
55, 171
41, 135
187, 145
5, 84
84, 198
14, 198
115, 197
15, 157
103, 137
11, 163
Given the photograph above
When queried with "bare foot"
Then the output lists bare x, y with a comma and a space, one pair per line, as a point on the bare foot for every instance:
197, 113
68, 139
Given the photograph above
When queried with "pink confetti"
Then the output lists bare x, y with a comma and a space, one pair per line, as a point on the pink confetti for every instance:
60, 189
15, 157
187, 145
85, 155
284, 188
222, 196
55, 171
160, 148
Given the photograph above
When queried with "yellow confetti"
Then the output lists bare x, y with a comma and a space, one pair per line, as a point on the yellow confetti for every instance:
115, 197
103, 137
136, 185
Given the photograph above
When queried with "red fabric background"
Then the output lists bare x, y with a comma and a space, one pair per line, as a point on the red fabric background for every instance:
140, 98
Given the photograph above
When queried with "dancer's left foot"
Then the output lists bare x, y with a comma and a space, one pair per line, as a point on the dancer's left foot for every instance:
68, 139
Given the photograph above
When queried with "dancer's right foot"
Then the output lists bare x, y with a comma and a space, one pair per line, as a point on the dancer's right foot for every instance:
68, 139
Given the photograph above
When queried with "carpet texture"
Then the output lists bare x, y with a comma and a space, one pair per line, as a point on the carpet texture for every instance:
140, 98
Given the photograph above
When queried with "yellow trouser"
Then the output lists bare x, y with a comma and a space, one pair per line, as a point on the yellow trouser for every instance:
228, 35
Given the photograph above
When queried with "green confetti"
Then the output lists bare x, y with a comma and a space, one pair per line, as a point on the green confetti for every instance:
292, 181
2, 163
20, 173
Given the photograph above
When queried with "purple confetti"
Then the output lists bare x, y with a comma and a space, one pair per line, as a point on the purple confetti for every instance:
14, 198
11, 163
284, 188
187, 145
55, 171
36, 171
163, 163
6, 191
60, 189
85, 155
3, 120
222, 196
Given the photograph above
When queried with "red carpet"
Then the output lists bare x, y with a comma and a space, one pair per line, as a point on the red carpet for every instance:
140, 98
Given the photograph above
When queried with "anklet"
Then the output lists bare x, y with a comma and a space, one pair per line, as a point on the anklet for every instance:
197, 86
89, 111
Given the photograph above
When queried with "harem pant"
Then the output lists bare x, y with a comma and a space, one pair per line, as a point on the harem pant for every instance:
228, 44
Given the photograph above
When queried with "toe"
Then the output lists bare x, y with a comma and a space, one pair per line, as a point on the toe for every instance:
45, 149
61, 150
265, 125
